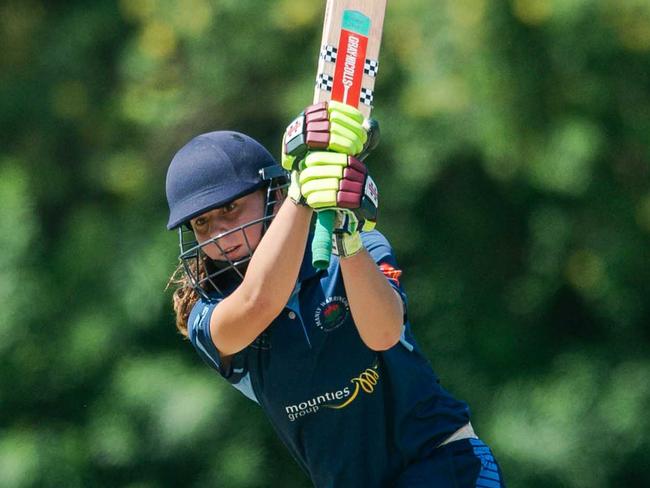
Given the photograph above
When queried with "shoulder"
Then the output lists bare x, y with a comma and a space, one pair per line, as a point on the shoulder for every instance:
198, 331
377, 245
200, 314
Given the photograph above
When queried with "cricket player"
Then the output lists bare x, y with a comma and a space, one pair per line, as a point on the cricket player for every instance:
328, 355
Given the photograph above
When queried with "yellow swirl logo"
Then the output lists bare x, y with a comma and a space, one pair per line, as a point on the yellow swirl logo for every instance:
366, 381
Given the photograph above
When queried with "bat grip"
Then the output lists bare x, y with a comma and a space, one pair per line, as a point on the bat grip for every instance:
321, 246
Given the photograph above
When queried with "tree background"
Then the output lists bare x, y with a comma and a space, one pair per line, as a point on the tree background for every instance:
515, 189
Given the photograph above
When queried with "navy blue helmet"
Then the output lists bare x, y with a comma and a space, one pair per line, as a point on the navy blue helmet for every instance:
212, 170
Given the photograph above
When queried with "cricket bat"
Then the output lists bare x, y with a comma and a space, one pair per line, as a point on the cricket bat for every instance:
347, 70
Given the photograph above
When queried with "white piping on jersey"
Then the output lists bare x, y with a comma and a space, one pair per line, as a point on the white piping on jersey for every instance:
207, 354
403, 340
199, 318
245, 386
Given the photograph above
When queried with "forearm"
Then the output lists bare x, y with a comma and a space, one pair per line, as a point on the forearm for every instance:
273, 269
269, 280
376, 308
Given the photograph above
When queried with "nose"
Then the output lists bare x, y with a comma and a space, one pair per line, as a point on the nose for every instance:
220, 245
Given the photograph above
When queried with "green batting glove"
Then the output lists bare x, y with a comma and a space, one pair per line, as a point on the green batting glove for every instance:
338, 181
319, 180
326, 126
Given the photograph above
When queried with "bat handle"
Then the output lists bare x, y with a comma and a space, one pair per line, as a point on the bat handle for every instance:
321, 246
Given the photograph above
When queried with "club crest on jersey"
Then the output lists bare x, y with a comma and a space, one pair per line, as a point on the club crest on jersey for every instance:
331, 313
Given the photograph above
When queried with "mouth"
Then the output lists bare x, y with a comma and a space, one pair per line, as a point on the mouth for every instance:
231, 251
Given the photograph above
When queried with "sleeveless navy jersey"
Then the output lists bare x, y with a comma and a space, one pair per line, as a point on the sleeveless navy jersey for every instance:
349, 415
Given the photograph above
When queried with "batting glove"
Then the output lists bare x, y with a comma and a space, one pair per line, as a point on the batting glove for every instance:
346, 239
338, 181
328, 126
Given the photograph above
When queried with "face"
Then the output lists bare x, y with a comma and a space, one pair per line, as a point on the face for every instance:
220, 220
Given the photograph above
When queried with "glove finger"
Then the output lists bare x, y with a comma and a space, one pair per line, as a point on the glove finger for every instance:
342, 144
349, 110
322, 199
350, 186
352, 174
319, 184
341, 120
346, 199
316, 112
319, 172
345, 138
326, 159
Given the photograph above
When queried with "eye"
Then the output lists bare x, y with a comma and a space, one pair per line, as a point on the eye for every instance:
199, 223
230, 207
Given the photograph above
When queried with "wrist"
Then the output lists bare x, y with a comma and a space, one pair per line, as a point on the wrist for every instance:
301, 206
345, 244
354, 254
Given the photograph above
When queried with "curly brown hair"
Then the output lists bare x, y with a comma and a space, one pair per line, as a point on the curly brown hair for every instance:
184, 296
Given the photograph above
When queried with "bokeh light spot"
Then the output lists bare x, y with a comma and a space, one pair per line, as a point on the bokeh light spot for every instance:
290, 15
194, 17
125, 174
138, 9
158, 40
533, 12
468, 13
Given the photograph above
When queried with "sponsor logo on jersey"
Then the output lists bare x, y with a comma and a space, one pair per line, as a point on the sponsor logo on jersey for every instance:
331, 313
336, 400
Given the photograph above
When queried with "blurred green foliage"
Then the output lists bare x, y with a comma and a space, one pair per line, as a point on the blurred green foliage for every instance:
515, 176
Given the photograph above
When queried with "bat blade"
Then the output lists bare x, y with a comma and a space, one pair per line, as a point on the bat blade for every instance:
349, 56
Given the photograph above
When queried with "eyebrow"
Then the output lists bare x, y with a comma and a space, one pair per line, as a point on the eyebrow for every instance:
214, 209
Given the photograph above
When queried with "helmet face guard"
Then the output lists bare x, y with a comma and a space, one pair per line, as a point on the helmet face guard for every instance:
205, 274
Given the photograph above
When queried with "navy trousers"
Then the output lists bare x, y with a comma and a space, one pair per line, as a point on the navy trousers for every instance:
466, 463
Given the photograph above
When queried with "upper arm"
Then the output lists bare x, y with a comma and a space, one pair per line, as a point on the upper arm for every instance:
382, 253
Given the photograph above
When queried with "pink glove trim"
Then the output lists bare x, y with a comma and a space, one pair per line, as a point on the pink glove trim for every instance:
346, 199
317, 116
354, 175
351, 186
318, 140
356, 164
321, 126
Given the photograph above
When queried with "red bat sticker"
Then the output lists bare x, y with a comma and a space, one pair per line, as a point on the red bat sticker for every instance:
349, 68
